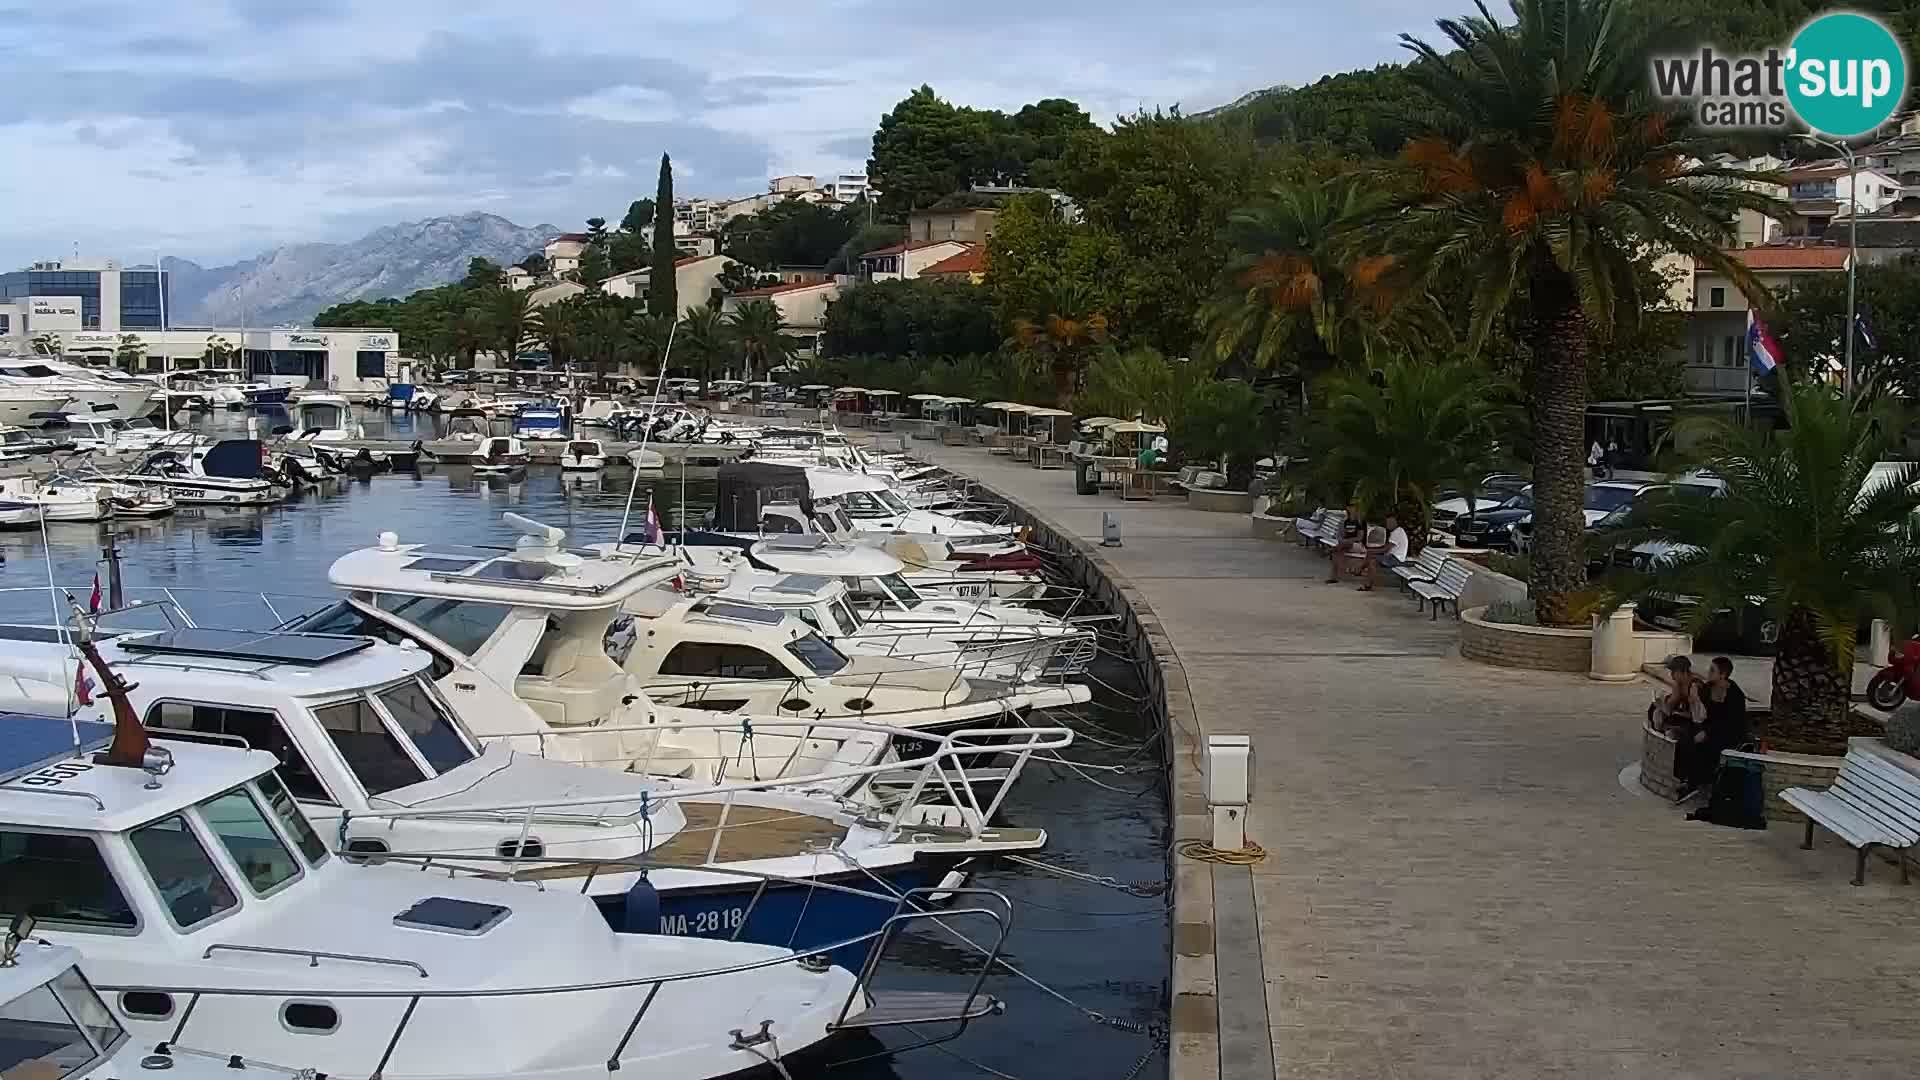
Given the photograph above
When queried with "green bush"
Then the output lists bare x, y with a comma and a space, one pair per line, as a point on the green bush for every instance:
1511, 613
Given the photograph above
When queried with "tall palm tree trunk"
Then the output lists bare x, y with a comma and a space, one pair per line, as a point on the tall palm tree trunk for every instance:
1810, 695
1559, 393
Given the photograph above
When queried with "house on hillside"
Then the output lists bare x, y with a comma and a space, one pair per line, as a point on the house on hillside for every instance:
904, 262
971, 225
696, 278
1716, 351
969, 266
1824, 193
563, 252
802, 305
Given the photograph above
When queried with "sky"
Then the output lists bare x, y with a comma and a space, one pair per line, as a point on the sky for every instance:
215, 129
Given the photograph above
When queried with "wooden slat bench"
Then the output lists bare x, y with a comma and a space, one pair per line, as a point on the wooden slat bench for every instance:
1424, 567
1445, 588
1872, 803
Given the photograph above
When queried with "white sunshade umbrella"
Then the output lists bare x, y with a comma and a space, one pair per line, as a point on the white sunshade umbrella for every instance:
925, 397
1138, 427
851, 390
958, 400
1099, 422
763, 383
1036, 411
816, 386
884, 393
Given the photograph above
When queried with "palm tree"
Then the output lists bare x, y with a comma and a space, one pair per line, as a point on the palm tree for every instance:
513, 319
1809, 523
604, 335
1546, 171
761, 332
1144, 384
1063, 334
471, 332
1294, 287
218, 351
649, 337
45, 344
1393, 438
705, 338
562, 325
130, 353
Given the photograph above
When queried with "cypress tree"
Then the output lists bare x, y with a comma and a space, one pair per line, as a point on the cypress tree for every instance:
662, 300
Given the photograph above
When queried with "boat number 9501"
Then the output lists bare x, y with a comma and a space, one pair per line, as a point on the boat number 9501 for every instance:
704, 922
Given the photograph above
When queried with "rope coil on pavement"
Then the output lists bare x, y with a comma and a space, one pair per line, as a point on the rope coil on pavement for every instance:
1201, 851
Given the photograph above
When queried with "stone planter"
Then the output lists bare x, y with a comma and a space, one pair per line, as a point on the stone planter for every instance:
1217, 501
1781, 771
1535, 648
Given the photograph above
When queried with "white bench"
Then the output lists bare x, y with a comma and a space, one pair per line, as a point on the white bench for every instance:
1332, 530
1424, 567
1304, 528
1445, 588
1872, 803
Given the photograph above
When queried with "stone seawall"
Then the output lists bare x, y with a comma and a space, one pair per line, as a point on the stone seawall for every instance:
1194, 1024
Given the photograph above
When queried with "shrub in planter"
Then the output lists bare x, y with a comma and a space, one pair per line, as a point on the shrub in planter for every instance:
1225, 421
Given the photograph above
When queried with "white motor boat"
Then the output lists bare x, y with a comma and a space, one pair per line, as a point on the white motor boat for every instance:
26, 500
55, 1026
383, 764
541, 423
24, 407
231, 472
81, 388
583, 455
324, 418
758, 499
467, 430
114, 434
500, 455
219, 924
857, 599
646, 458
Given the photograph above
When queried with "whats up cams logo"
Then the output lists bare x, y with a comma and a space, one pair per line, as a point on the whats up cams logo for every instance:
1843, 75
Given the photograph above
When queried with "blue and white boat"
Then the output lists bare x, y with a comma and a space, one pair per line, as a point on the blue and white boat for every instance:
541, 423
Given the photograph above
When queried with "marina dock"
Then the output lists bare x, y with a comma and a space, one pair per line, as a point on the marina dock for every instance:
1456, 881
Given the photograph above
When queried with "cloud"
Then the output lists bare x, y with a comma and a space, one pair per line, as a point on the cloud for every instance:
212, 128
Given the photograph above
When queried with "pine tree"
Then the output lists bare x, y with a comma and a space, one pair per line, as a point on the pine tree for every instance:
662, 298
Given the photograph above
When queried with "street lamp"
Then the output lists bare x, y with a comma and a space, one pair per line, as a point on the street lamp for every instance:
1853, 245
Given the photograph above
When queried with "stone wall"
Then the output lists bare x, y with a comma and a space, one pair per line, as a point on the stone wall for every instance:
1536, 648
1657, 750
1782, 771
1219, 502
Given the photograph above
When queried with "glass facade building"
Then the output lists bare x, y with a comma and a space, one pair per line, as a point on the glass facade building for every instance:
142, 304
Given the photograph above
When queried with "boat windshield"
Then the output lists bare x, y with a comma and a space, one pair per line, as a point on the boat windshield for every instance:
463, 624
843, 614
892, 502
819, 656
190, 886
57, 1029
264, 861
887, 589
427, 723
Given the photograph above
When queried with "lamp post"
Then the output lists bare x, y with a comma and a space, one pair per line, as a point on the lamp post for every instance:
1853, 246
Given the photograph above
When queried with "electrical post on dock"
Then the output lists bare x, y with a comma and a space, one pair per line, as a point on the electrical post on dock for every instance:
1229, 769
110, 555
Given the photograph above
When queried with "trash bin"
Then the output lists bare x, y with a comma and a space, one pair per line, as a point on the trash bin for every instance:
1083, 482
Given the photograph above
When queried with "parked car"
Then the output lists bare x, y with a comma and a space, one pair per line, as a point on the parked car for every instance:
1495, 489
1494, 528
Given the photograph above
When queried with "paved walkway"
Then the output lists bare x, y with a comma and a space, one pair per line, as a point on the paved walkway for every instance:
1458, 885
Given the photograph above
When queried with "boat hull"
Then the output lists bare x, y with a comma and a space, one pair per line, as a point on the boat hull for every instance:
790, 915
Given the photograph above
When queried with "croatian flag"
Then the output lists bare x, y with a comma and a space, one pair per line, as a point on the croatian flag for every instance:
82, 685
1763, 352
93, 602
655, 534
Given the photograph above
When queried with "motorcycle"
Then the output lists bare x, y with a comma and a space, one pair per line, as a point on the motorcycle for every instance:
1899, 680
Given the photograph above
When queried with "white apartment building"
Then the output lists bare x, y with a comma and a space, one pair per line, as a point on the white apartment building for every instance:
849, 187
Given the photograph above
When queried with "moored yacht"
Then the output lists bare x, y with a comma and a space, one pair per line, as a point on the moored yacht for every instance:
218, 922
228, 473
78, 385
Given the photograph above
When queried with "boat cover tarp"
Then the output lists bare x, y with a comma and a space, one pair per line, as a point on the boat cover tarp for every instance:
235, 459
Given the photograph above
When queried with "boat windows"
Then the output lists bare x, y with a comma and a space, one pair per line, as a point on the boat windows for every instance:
814, 651
843, 614
423, 718
191, 887
264, 861
371, 751
862, 504
262, 730
341, 617
310, 1017
721, 661
280, 801
40, 1039
147, 1004
61, 879
775, 523
891, 589
463, 624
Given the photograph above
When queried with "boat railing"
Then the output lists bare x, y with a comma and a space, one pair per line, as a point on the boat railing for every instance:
940, 769
1006, 652
312, 956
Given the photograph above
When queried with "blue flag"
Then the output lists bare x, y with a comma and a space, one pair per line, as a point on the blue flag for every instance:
1866, 333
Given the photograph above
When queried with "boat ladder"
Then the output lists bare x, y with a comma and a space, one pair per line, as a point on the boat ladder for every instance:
901, 1008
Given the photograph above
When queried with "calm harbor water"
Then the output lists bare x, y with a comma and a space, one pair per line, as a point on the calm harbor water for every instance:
1103, 949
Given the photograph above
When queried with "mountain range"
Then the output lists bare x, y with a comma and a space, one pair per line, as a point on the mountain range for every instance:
289, 284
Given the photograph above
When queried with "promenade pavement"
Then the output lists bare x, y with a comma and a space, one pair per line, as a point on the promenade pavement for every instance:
1457, 884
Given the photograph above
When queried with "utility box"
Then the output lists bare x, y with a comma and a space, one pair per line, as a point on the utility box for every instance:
1229, 776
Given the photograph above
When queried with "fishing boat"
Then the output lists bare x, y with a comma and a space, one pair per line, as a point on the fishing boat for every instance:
583, 455
231, 472
383, 764
219, 924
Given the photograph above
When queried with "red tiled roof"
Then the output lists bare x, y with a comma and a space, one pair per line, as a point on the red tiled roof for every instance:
895, 249
1792, 258
971, 261
792, 286
576, 237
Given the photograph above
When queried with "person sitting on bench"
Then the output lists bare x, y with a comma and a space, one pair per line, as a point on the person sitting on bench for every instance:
1697, 756
1351, 531
1389, 554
